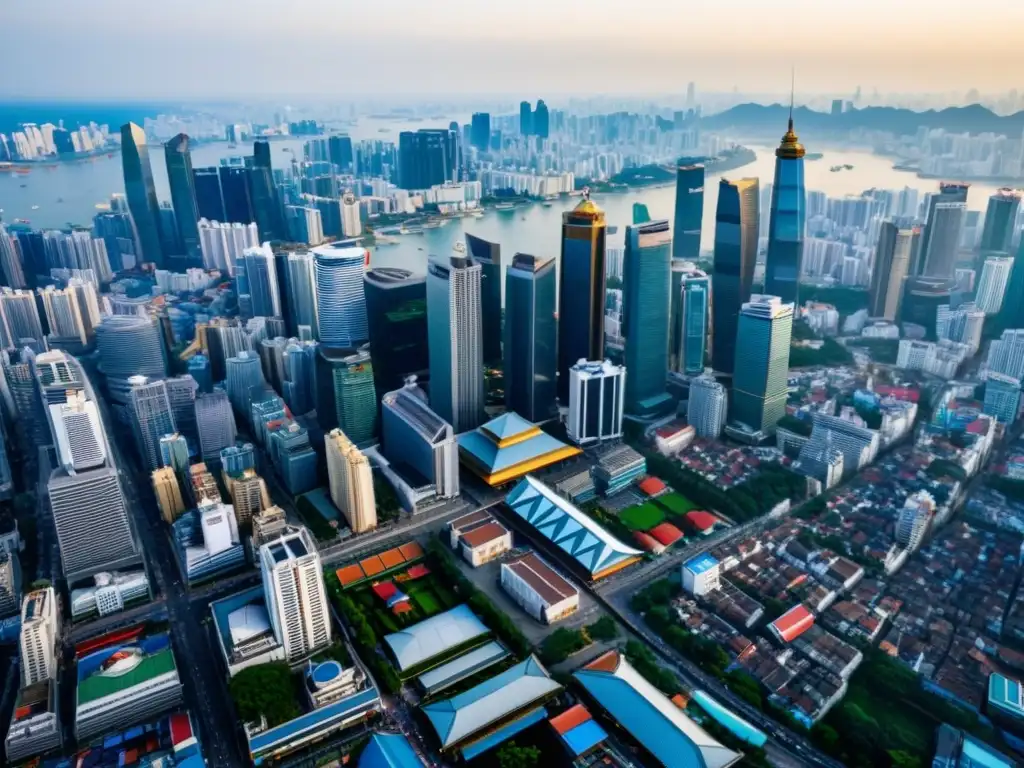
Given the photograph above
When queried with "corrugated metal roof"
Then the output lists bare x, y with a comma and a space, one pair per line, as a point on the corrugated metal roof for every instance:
389, 750
434, 636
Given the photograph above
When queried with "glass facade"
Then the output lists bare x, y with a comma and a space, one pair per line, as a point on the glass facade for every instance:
1000, 216
141, 192
488, 255
396, 313
760, 387
736, 224
695, 294
645, 317
341, 303
530, 337
183, 194
209, 203
425, 158
266, 206
234, 185
786, 229
689, 212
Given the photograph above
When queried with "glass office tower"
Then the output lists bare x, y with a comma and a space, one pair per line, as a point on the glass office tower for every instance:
488, 256
183, 194
689, 212
645, 317
695, 300
141, 192
786, 221
733, 273
581, 294
396, 313
266, 207
530, 337
760, 383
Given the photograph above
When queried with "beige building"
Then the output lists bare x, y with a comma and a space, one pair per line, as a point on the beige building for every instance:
248, 495
351, 482
168, 494
267, 525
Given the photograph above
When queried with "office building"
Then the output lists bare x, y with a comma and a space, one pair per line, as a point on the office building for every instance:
786, 220
167, 490
922, 297
581, 291
995, 275
1000, 217
416, 437
304, 224
940, 243
266, 206
141, 193
914, 520
339, 151
351, 482
151, 418
209, 201
206, 541
689, 212
223, 245
645, 319
341, 305
349, 394
351, 224
396, 310
480, 131
1002, 397
243, 373
249, 495
300, 282
40, 636
235, 192
174, 449
531, 335
129, 345
236, 459
293, 457
762, 363
732, 278
893, 257
707, 407
216, 423
689, 354
10, 582
488, 256
293, 585
181, 179
425, 158
261, 281
455, 337
19, 320
596, 401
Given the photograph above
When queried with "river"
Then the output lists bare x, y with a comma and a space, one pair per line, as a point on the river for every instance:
530, 229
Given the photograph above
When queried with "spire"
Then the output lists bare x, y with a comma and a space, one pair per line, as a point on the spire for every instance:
792, 94
791, 148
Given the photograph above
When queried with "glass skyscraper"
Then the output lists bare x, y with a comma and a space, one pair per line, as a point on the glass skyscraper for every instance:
425, 158
689, 212
480, 132
183, 194
530, 337
940, 243
341, 304
1000, 216
695, 300
732, 277
141, 192
209, 202
760, 385
786, 221
488, 256
645, 318
396, 313
234, 186
581, 293
265, 205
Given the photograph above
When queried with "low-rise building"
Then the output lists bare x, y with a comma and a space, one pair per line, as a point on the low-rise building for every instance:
539, 589
479, 538
35, 725
701, 575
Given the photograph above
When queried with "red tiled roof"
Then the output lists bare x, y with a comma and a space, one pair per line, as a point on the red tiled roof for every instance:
700, 519
651, 485
372, 565
648, 542
793, 623
411, 551
392, 558
666, 534
350, 574
484, 534
565, 722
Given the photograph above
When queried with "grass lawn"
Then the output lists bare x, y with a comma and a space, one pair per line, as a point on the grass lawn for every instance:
642, 517
425, 600
676, 503
905, 727
428, 595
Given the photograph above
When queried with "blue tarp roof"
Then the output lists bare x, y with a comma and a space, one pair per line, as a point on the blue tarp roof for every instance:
584, 737
389, 750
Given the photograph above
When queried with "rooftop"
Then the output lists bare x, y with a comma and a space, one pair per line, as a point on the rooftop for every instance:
509, 447
541, 578
389, 750
700, 564
116, 669
1005, 694
434, 636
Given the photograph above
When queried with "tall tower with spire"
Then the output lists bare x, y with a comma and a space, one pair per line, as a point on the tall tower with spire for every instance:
786, 219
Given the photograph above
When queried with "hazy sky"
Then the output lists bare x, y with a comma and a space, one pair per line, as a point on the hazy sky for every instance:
149, 49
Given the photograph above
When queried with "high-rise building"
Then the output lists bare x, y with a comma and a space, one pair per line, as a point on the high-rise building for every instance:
914, 520
762, 363
63, 314
40, 636
293, 585
299, 375
261, 281
236, 459
995, 275
480, 132
300, 282
596, 401
425, 158
1000, 217
348, 393
339, 150
645, 319
167, 490
581, 290
1012, 315
174, 451
893, 256
351, 225
1002, 397
216, 424
525, 118
707, 407
690, 352
351, 482
943, 230
488, 256
531, 336
181, 179
786, 221
249, 495
151, 417
341, 303
243, 373
141, 193
10, 583
11, 262
129, 345
209, 201
922, 297
415, 436
732, 278
234, 189
541, 120
19, 319
455, 336
199, 370
223, 245
265, 204
689, 212
396, 311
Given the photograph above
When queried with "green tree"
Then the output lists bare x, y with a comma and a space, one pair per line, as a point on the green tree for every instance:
513, 756
264, 690
604, 629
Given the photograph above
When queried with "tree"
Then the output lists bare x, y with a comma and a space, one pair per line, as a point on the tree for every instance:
604, 629
513, 756
264, 690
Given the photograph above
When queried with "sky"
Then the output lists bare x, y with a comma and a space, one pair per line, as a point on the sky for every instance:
216, 49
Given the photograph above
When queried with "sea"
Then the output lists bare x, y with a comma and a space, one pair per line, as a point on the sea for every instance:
59, 195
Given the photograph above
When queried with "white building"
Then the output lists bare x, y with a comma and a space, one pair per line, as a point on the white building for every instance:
596, 401
707, 407
40, 635
351, 225
293, 584
539, 589
992, 285
914, 520
479, 538
880, 329
701, 575
351, 482
222, 245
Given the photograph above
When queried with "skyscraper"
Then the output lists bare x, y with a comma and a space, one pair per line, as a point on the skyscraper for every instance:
455, 338
940, 242
129, 345
893, 258
261, 281
341, 304
243, 373
396, 313
19, 319
339, 149
706, 408
209, 200
174, 451
151, 417
786, 222
167, 490
351, 482
414, 436
293, 586
481, 131
350, 396
351, 224
541, 121
690, 353
424, 158
645, 319
995, 275
689, 212
732, 278
216, 424
488, 256
141, 192
222, 245
234, 190
63, 314
1000, 216
40, 636
762, 363
11, 262
525, 118
181, 179
1012, 315
596, 401
581, 291
300, 282
914, 520
531, 336
265, 204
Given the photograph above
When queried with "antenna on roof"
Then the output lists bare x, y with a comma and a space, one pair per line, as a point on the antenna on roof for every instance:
792, 94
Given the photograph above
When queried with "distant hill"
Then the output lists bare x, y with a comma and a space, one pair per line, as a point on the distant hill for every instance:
760, 118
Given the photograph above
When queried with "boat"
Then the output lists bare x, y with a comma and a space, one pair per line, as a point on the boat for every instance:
504, 207
35, 207
22, 221
432, 225
813, 156
477, 214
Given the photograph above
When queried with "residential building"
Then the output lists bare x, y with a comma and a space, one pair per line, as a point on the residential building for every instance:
40, 636
141, 192
222, 245
707, 407
351, 482
786, 220
530, 337
760, 385
732, 278
151, 418
351, 226
19, 320
596, 401
260, 281
1002, 397
995, 275
296, 598
914, 520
